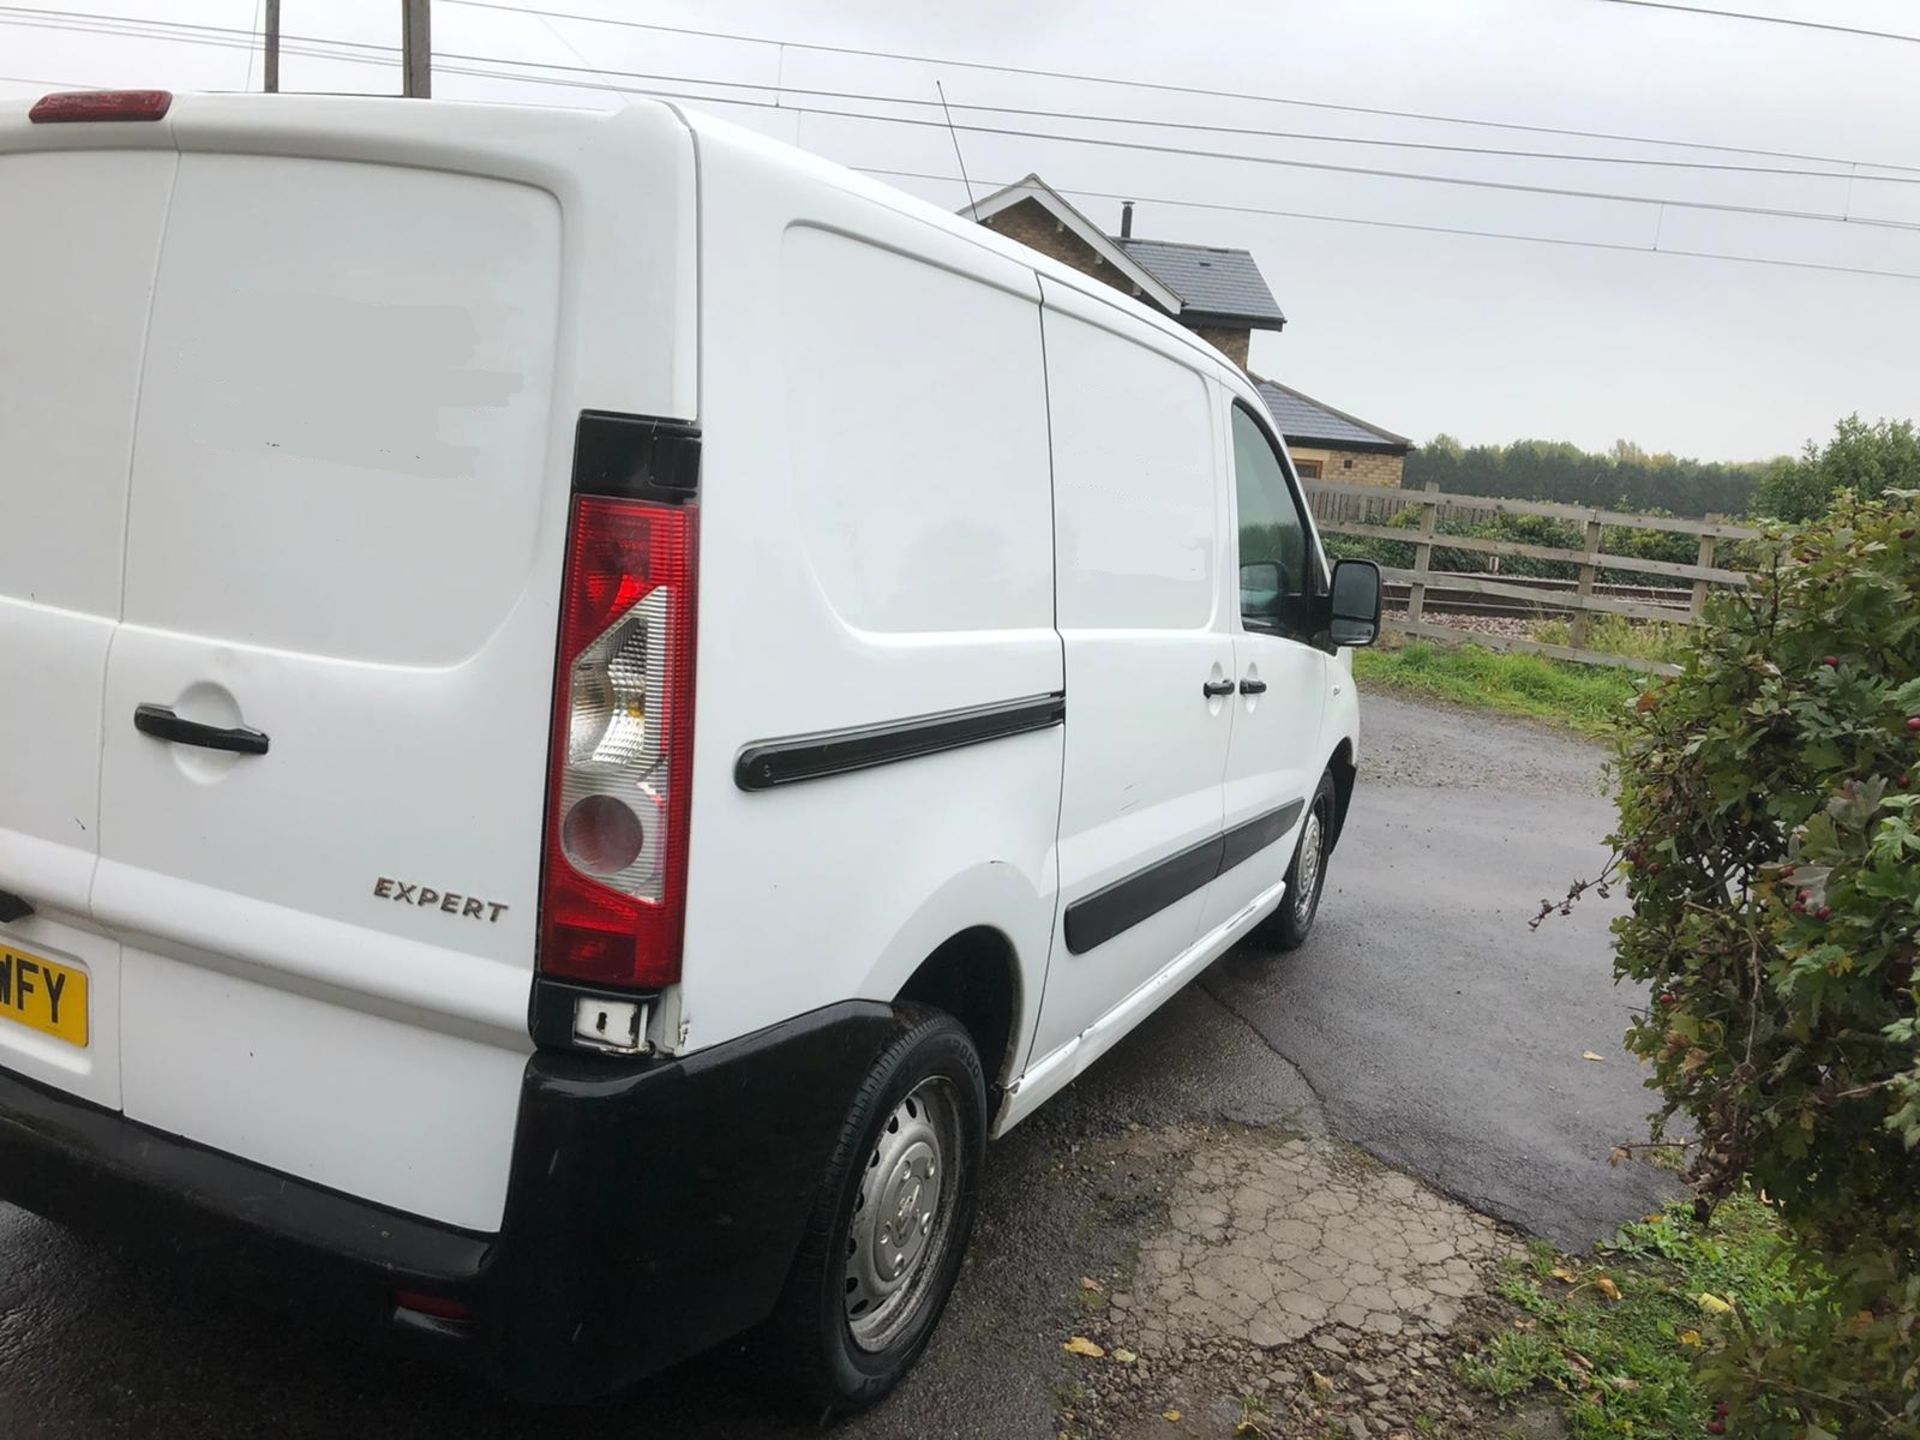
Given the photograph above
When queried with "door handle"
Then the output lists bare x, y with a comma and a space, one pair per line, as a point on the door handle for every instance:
1253, 687
160, 722
1213, 688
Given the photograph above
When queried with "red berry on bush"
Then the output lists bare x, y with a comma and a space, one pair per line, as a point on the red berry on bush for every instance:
1904, 781
1716, 1427
1907, 534
1669, 998
1913, 722
1721, 1409
1825, 912
1832, 662
1786, 871
1655, 868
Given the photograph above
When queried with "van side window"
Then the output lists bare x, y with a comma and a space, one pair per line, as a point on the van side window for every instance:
1275, 560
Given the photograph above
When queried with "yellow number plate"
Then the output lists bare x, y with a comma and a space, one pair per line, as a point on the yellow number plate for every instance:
43, 996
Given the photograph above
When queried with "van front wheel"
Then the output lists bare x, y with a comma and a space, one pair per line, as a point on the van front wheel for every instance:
1288, 927
884, 1243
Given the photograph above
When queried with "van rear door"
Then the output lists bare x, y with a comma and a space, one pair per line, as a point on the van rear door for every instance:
77, 258
344, 541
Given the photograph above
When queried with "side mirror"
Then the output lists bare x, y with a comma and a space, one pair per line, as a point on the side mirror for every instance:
1354, 606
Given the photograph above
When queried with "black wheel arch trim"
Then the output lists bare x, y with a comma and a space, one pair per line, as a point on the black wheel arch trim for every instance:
1094, 919
766, 764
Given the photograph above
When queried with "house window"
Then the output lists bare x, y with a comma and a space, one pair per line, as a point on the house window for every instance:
1307, 469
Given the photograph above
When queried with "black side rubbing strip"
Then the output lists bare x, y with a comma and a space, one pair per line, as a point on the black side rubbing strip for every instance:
636, 457
1097, 918
1250, 837
836, 752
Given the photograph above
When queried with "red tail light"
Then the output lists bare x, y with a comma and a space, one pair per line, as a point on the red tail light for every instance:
101, 105
613, 896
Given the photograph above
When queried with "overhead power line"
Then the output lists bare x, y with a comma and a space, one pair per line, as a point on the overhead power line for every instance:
1792, 20
1849, 175
1648, 249
1202, 127
1166, 87
342, 51
237, 38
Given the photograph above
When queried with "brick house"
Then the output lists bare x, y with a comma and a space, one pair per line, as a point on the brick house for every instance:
1330, 444
1216, 292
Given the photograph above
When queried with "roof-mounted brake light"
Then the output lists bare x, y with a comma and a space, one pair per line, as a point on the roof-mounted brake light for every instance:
73, 105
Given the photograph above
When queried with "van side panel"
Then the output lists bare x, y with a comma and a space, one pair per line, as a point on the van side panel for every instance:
875, 547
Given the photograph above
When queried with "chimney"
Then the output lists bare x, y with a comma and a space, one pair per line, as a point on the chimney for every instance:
1126, 219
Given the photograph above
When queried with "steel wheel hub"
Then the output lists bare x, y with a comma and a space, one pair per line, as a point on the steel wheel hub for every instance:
900, 1213
1307, 875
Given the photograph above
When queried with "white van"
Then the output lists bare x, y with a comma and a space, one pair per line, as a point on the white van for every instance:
946, 671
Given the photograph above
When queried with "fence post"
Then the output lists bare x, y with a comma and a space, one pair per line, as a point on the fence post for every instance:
1583, 619
1423, 552
1699, 605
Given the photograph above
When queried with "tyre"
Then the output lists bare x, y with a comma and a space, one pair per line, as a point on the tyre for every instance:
1288, 927
884, 1243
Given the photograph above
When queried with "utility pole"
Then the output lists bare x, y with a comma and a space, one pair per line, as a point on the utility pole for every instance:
273, 46
416, 44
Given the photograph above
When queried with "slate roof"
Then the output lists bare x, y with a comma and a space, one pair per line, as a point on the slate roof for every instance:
1209, 279
1301, 419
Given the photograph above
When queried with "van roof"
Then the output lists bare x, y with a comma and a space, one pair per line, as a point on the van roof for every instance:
439, 133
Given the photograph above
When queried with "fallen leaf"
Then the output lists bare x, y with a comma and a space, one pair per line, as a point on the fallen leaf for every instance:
1604, 1284
1321, 1382
1524, 1325
1561, 1272
1580, 1361
1092, 1286
1646, 702
1712, 1304
1589, 1055
1080, 1345
1623, 1382
1690, 1337
1619, 1155
1125, 1357
1170, 1415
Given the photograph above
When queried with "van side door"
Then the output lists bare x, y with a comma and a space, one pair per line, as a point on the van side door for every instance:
1280, 678
1141, 603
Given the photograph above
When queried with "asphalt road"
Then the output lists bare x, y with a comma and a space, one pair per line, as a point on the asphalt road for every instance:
1425, 1021
1439, 1031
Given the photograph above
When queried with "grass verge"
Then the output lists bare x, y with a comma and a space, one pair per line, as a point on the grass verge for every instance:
1587, 698
1613, 1342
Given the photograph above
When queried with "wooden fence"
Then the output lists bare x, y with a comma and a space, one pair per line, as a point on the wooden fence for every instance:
1359, 510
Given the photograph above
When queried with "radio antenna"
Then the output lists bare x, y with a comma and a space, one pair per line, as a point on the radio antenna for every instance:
955, 136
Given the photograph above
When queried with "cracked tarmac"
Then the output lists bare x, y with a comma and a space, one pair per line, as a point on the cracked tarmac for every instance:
1268, 1241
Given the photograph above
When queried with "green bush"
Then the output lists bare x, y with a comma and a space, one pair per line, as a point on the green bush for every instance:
1770, 843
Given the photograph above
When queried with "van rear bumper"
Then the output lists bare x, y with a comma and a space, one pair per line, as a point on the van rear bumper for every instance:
653, 1210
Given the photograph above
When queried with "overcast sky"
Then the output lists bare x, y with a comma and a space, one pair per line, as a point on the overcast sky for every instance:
1416, 331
